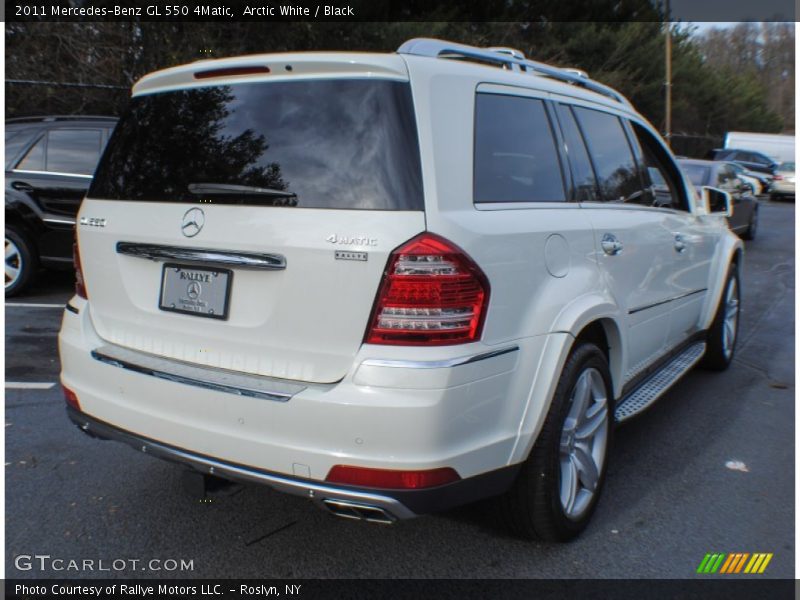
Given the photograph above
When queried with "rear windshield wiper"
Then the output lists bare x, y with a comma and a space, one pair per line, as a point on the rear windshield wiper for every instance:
202, 189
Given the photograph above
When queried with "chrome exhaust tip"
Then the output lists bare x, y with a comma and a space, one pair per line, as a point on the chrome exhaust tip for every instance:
359, 512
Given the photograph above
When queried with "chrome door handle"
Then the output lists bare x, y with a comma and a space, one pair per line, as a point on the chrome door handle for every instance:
680, 243
610, 244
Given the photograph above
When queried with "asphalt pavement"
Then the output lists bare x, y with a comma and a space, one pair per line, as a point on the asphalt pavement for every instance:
710, 468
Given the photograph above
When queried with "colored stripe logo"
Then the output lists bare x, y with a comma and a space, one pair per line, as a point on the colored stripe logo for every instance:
734, 563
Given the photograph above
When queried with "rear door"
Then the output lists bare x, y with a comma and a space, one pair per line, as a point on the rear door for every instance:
633, 241
246, 226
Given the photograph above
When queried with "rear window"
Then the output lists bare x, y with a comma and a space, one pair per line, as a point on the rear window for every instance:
697, 174
338, 143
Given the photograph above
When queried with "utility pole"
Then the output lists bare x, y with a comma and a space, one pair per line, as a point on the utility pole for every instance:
668, 82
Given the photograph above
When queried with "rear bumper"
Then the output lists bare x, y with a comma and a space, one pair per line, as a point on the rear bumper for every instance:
784, 188
392, 504
400, 409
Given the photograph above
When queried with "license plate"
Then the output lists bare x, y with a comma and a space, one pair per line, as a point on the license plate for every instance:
198, 291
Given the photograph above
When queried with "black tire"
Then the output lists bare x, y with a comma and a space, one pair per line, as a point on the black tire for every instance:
752, 227
25, 260
533, 508
719, 354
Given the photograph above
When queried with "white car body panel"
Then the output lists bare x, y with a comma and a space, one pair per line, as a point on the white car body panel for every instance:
391, 407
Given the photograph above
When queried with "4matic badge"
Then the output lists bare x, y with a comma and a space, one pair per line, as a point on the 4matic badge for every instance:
351, 240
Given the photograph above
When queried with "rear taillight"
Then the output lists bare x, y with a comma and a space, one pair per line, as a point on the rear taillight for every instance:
432, 294
391, 479
777, 177
71, 398
80, 286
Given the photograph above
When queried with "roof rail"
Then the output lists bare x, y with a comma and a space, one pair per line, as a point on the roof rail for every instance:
51, 118
506, 58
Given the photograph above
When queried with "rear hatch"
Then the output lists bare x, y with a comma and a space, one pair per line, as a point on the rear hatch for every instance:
244, 222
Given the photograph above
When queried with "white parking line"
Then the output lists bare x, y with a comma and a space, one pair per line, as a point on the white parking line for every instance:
33, 305
27, 385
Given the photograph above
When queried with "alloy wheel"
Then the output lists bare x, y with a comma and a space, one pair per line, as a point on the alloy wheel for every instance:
13, 263
584, 436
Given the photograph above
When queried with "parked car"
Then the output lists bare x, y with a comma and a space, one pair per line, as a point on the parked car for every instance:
783, 183
49, 165
749, 159
389, 302
722, 175
779, 147
758, 182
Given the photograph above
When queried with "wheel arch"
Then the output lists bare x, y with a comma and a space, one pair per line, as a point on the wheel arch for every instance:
593, 318
730, 253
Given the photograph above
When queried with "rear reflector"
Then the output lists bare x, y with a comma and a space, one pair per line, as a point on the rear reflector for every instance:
432, 294
71, 398
230, 71
80, 285
390, 479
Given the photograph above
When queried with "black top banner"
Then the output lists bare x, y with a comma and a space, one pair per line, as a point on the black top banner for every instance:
400, 10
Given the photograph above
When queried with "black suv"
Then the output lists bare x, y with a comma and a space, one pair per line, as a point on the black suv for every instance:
749, 159
49, 166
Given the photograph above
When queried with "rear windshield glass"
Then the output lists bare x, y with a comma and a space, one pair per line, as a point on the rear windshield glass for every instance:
338, 143
697, 174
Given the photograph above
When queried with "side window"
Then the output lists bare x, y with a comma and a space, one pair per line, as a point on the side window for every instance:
34, 158
516, 158
611, 153
582, 172
725, 176
73, 150
663, 186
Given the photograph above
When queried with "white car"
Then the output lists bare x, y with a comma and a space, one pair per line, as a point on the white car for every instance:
392, 283
783, 182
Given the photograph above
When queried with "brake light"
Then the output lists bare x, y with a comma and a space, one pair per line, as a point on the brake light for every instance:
777, 177
230, 71
80, 286
70, 397
391, 479
432, 294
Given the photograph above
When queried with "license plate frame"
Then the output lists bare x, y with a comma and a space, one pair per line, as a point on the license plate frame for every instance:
169, 298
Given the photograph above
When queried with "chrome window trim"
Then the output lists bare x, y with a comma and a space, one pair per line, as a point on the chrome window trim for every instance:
632, 206
209, 378
59, 173
437, 364
487, 206
244, 260
65, 221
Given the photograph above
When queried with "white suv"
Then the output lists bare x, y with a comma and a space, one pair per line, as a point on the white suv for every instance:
392, 283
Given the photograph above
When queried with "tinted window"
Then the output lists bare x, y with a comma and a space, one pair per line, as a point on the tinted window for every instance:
16, 139
697, 174
34, 158
339, 143
516, 158
662, 182
611, 154
583, 178
725, 176
73, 150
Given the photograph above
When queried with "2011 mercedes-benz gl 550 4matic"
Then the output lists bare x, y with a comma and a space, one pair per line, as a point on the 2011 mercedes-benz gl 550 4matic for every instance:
392, 283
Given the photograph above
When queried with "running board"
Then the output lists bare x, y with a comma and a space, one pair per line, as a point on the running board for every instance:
658, 383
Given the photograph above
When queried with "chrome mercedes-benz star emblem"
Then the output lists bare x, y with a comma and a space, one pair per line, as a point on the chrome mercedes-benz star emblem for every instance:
193, 291
193, 221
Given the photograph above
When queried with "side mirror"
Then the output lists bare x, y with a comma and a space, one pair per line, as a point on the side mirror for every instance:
717, 201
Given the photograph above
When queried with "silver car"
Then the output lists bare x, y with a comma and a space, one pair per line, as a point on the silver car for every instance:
783, 183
